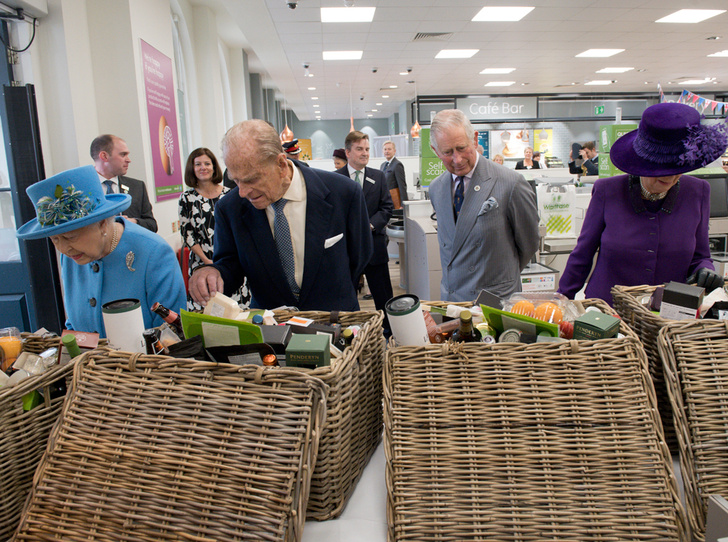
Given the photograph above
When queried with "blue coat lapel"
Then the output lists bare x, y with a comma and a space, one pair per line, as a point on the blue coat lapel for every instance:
318, 217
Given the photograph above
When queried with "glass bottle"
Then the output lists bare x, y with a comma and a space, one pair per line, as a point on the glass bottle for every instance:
270, 360
466, 333
171, 317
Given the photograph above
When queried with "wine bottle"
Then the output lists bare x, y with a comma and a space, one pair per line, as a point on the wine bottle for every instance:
171, 317
466, 333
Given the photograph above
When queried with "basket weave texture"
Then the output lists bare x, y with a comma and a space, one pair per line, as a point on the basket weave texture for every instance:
547, 441
695, 355
647, 325
353, 427
152, 448
23, 439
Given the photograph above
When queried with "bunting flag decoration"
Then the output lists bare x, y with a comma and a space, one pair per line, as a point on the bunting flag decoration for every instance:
701, 103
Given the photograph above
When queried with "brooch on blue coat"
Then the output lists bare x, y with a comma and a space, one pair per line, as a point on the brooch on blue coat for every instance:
130, 260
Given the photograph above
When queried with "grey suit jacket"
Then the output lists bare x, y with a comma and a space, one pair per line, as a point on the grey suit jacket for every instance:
495, 236
140, 207
395, 176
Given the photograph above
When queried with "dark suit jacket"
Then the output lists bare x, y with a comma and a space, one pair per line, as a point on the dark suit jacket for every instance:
519, 165
394, 173
338, 246
140, 207
379, 207
592, 166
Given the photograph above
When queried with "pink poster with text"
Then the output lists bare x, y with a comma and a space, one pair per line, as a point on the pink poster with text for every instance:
162, 115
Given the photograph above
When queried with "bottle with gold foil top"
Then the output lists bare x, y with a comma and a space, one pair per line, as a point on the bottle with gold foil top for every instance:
171, 317
466, 333
270, 360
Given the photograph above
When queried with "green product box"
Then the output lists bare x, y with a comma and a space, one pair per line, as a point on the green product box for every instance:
308, 351
608, 134
594, 325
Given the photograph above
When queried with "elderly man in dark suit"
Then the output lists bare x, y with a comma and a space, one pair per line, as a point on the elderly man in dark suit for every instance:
394, 174
487, 219
379, 208
111, 160
300, 235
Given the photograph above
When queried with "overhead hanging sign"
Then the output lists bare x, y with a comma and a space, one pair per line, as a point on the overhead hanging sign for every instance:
490, 108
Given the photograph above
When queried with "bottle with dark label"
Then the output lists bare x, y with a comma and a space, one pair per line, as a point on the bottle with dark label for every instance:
466, 333
348, 336
152, 342
171, 317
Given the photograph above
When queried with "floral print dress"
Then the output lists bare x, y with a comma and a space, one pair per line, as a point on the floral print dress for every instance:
197, 226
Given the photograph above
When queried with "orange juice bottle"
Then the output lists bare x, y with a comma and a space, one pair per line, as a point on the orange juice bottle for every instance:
11, 345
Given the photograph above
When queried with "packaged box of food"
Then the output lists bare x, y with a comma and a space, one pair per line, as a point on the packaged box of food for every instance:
309, 351
594, 325
681, 301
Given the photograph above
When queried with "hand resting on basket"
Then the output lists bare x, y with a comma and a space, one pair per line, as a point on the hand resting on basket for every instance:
706, 278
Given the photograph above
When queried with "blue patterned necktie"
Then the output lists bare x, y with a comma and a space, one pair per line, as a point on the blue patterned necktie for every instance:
109, 186
284, 245
457, 200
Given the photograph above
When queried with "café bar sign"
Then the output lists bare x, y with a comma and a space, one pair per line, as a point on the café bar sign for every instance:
489, 108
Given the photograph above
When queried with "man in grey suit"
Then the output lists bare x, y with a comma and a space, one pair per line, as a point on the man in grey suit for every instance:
487, 218
394, 173
111, 160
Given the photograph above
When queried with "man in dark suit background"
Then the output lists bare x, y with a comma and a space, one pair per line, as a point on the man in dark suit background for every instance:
394, 174
379, 206
299, 234
111, 159
589, 154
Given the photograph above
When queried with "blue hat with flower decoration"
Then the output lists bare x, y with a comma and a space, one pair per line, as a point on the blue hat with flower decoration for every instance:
69, 201
670, 140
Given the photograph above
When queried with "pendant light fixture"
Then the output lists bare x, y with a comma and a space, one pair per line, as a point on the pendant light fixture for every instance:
415, 130
287, 134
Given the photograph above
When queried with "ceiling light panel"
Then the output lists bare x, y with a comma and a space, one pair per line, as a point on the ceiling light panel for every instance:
457, 53
720, 53
502, 13
614, 70
690, 16
599, 53
599, 82
342, 55
347, 15
497, 71
500, 83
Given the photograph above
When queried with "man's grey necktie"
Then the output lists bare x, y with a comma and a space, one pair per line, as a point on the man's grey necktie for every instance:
109, 186
284, 244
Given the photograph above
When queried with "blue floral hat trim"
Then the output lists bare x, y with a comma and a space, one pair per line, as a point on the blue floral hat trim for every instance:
69, 204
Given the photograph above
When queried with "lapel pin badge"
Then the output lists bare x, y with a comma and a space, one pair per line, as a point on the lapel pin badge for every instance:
476, 188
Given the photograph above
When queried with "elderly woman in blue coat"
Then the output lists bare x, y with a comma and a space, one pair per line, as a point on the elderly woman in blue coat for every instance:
104, 258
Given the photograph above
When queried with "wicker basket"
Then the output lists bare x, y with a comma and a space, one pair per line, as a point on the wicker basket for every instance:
696, 370
353, 427
647, 325
547, 441
152, 448
23, 438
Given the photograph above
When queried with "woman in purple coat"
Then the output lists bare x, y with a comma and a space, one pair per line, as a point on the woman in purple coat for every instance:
651, 225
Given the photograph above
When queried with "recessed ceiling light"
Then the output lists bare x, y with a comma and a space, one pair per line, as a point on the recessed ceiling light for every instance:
403, 73
698, 81
318, 118
614, 70
375, 110
599, 82
502, 13
378, 103
347, 15
720, 53
690, 15
385, 96
496, 71
311, 88
456, 53
309, 75
393, 86
342, 55
369, 114
599, 53
500, 84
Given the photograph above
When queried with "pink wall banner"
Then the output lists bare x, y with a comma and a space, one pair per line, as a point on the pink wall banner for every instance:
162, 115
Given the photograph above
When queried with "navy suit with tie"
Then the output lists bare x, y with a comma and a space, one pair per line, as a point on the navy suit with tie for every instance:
140, 207
338, 246
379, 207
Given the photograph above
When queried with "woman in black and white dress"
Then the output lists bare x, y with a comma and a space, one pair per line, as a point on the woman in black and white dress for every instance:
197, 218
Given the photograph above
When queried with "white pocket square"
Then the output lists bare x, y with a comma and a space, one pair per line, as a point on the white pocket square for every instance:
371, 180
331, 241
490, 203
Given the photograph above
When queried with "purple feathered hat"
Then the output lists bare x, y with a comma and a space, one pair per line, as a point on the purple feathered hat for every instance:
670, 140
